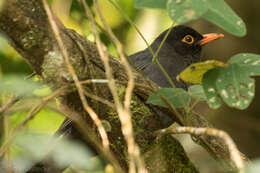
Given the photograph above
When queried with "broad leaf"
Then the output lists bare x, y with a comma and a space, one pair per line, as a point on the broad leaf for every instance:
235, 86
210, 88
44, 90
150, 4
253, 167
248, 62
215, 11
182, 11
62, 152
197, 92
178, 97
16, 84
221, 14
194, 72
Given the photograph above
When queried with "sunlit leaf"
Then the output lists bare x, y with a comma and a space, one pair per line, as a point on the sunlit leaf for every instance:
253, 167
16, 84
178, 97
46, 121
150, 4
43, 91
194, 73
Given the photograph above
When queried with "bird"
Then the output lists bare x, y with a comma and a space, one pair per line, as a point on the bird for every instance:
182, 47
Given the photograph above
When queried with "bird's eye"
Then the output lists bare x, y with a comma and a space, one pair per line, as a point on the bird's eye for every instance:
188, 39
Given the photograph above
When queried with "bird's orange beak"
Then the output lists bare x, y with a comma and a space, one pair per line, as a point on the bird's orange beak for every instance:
209, 38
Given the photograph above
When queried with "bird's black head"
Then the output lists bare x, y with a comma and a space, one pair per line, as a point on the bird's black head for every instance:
185, 41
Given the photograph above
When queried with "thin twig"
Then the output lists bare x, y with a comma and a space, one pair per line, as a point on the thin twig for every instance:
147, 44
132, 24
71, 70
122, 57
154, 54
90, 137
8, 164
126, 122
104, 101
155, 59
15, 99
234, 152
9, 104
29, 116
124, 114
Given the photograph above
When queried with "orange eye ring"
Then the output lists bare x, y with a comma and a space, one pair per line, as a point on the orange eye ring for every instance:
188, 39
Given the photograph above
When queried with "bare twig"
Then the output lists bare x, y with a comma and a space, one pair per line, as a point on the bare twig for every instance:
8, 165
79, 87
83, 127
132, 24
13, 100
122, 56
9, 104
104, 101
29, 116
123, 112
234, 152
155, 54
127, 101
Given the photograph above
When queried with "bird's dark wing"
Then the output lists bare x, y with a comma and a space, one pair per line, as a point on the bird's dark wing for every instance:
142, 59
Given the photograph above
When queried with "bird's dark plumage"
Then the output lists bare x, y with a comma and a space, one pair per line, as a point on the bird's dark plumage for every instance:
179, 50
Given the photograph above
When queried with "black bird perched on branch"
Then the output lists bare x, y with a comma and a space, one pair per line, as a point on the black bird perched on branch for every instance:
181, 48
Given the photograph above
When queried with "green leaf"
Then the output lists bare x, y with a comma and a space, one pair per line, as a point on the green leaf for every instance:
63, 152
222, 15
215, 11
182, 11
16, 84
196, 91
150, 4
210, 88
248, 61
253, 167
233, 83
42, 91
194, 72
178, 97
235, 86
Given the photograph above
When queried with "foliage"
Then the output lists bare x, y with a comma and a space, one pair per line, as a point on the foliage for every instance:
16, 84
215, 11
234, 85
76, 153
172, 95
253, 167
194, 73
196, 91
231, 83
